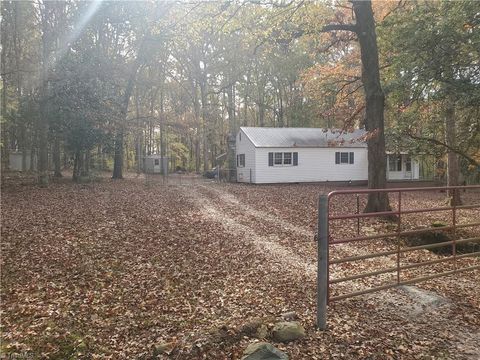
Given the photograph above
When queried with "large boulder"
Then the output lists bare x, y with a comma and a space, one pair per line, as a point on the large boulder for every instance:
287, 331
263, 351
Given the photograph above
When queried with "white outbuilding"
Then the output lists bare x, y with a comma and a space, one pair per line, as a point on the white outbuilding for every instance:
155, 164
288, 155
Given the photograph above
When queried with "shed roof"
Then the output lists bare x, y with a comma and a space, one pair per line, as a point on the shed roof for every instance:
304, 137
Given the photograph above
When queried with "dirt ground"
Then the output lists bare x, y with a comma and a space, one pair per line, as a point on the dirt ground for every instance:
110, 270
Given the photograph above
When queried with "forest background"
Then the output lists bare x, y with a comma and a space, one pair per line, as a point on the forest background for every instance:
100, 85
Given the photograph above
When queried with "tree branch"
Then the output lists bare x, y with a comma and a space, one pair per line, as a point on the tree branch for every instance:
340, 27
437, 142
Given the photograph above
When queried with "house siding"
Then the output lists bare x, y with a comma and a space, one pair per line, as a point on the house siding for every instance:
243, 145
314, 164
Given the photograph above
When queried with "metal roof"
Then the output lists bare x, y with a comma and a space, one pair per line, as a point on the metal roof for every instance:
304, 137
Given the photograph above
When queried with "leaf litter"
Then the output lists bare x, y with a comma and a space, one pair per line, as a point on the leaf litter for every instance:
111, 271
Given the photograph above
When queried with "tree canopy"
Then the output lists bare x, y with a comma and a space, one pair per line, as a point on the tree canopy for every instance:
103, 84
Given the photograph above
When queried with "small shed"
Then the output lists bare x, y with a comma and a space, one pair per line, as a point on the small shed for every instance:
156, 164
15, 159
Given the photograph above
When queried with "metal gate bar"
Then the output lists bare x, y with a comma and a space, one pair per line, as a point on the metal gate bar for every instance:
326, 240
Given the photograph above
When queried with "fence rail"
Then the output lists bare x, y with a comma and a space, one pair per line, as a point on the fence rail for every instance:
326, 241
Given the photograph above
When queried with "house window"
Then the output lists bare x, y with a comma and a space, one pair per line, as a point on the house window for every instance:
278, 158
408, 163
283, 159
395, 163
241, 160
344, 157
157, 162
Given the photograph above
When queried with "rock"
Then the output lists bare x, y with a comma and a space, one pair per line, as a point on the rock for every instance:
222, 333
164, 348
422, 302
255, 328
263, 351
287, 331
262, 332
289, 316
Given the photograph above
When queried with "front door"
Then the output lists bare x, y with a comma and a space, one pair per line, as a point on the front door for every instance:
408, 166
156, 166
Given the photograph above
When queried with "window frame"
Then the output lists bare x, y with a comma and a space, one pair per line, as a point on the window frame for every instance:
240, 160
344, 158
394, 163
275, 161
408, 163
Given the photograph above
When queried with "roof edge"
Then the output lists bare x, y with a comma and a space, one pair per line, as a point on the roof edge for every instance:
241, 128
248, 137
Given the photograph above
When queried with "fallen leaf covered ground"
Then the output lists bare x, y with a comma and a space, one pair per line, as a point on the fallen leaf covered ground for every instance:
110, 270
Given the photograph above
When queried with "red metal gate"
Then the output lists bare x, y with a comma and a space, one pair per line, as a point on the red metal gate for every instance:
392, 239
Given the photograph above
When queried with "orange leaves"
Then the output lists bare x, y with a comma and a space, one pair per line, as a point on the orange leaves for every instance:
125, 271
335, 88
476, 157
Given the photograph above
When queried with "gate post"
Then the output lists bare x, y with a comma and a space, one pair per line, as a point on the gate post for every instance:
322, 263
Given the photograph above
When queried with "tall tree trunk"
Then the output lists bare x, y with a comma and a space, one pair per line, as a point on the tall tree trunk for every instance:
76, 166
453, 168
261, 104
56, 157
138, 137
232, 130
374, 108
231, 109
33, 150
3, 122
150, 137
65, 160
374, 101
47, 18
162, 125
104, 165
127, 153
205, 127
23, 141
119, 137
245, 100
86, 163
138, 152
196, 109
43, 143
280, 120
118, 155
20, 122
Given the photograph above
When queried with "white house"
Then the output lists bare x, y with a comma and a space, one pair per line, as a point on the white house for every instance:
283, 155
